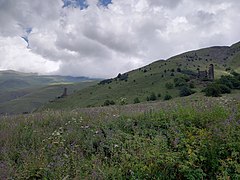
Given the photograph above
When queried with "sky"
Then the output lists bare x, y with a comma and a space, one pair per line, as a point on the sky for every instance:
101, 38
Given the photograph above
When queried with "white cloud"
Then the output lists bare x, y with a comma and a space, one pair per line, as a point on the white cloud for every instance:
100, 41
15, 55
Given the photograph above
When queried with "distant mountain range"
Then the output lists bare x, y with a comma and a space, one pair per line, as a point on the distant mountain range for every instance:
25, 92
13, 80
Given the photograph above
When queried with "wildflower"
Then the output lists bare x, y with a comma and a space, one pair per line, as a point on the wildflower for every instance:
57, 134
116, 146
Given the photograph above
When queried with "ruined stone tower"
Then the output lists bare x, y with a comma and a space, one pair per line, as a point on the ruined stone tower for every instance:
211, 72
64, 93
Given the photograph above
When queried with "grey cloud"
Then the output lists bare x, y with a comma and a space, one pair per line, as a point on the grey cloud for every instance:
165, 3
202, 18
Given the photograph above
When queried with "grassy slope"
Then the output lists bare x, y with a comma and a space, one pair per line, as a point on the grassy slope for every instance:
184, 138
141, 84
38, 96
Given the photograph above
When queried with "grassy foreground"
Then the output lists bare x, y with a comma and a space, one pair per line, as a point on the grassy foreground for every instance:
200, 141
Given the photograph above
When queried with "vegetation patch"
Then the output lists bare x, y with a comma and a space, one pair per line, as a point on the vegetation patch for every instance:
182, 143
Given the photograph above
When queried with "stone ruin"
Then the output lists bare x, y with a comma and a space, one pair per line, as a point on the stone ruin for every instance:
64, 94
207, 74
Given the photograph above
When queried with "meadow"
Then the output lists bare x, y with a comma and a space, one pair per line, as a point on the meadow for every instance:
186, 138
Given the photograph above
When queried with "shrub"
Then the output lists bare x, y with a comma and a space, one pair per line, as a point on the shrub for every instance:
186, 91
230, 81
153, 97
224, 89
192, 85
213, 90
179, 70
108, 102
167, 97
136, 100
169, 85
178, 82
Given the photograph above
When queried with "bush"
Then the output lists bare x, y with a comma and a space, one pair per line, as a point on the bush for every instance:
167, 97
179, 70
224, 89
178, 82
136, 100
230, 81
186, 91
153, 97
213, 90
192, 85
169, 85
108, 102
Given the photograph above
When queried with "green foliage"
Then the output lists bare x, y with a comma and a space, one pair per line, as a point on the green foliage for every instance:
169, 85
122, 101
179, 69
192, 142
213, 90
223, 85
136, 100
185, 91
178, 82
192, 85
224, 89
108, 102
230, 81
152, 97
167, 97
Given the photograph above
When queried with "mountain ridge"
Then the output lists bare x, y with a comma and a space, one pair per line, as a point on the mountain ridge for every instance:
152, 78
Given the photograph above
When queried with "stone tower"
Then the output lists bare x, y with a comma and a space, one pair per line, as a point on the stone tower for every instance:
64, 92
211, 72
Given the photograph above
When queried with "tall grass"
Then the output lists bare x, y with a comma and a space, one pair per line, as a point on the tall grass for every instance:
181, 143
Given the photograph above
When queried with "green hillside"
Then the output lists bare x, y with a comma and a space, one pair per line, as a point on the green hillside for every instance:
34, 98
142, 82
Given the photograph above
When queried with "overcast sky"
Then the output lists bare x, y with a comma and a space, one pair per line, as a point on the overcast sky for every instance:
102, 38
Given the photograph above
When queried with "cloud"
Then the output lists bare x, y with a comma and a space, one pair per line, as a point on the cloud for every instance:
107, 37
15, 55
